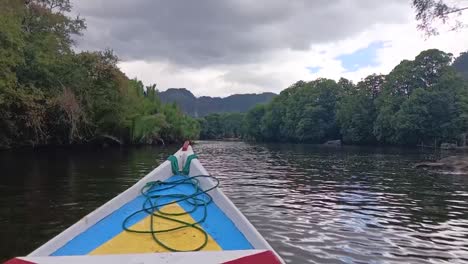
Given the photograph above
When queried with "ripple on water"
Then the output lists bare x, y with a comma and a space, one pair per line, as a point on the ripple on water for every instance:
317, 205
313, 204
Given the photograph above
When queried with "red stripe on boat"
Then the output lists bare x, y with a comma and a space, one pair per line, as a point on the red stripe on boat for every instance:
185, 146
267, 257
18, 261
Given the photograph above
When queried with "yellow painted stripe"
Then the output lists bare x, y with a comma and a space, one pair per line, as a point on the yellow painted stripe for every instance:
182, 239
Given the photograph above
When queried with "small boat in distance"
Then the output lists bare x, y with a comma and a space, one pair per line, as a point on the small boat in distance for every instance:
175, 214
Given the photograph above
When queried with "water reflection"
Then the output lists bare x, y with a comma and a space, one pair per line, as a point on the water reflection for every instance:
313, 204
326, 205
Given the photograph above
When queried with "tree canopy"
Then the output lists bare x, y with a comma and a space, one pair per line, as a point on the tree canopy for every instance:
461, 65
421, 101
49, 94
222, 126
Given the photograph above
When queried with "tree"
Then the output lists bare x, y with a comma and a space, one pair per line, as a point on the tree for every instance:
212, 127
11, 41
424, 100
222, 126
372, 85
461, 65
346, 86
305, 112
252, 122
430, 11
272, 122
432, 115
356, 112
233, 125
51, 95
420, 102
316, 119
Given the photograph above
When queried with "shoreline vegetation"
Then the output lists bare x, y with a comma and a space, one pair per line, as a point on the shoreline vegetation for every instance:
52, 95
421, 102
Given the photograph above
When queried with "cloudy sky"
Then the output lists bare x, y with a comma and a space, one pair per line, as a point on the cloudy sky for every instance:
222, 47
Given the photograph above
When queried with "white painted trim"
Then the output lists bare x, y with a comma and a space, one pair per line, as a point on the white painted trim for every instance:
206, 257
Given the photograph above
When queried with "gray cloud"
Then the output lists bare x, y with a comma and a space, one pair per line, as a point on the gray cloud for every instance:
267, 81
206, 32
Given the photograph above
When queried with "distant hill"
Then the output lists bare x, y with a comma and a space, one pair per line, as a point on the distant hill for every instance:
205, 105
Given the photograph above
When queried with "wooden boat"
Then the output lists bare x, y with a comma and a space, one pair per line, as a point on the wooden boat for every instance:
169, 216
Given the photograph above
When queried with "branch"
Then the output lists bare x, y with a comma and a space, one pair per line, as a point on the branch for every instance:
455, 10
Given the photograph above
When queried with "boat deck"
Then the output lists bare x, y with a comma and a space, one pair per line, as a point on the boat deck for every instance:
109, 237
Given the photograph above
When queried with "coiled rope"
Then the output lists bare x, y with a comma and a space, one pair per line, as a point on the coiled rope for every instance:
152, 205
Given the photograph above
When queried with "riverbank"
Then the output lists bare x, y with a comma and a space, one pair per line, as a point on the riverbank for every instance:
50, 94
93, 145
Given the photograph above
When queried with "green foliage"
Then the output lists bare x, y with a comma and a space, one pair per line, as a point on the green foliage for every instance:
180, 126
51, 95
305, 112
148, 128
434, 114
419, 102
461, 65
253, 120
423, 101
356, 111
222, 126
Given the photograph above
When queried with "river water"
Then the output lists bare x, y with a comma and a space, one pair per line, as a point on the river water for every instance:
313, 204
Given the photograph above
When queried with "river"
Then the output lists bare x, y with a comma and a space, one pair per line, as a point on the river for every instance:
313, 204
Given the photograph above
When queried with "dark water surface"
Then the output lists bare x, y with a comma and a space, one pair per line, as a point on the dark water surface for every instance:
313, 204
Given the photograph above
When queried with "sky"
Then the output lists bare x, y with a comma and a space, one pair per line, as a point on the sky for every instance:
224, 47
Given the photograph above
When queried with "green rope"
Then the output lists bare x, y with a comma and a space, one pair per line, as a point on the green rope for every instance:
186, 170
152, 207
175, 164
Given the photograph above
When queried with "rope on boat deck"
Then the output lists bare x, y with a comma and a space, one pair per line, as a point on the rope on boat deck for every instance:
152, 207
175, 164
